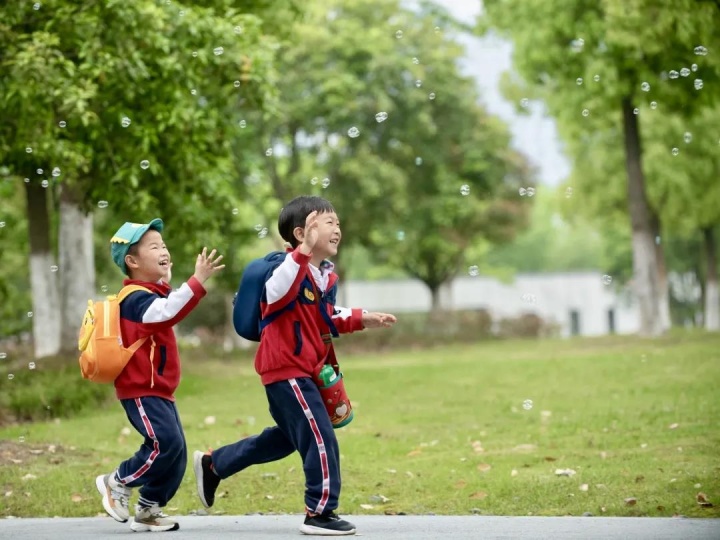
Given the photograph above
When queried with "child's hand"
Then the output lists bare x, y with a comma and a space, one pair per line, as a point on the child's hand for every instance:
207, 265
310, 234
378, 320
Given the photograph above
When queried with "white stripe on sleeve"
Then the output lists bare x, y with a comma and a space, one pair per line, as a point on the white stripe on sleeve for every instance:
281, 280
164, 309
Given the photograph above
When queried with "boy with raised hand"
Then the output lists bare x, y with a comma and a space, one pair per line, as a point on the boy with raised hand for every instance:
147, 385
291, 347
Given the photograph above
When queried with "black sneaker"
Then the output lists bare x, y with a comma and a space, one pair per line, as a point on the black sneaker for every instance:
207, 480
327, 524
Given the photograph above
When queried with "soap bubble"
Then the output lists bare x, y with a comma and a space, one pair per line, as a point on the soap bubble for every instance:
527, 404
585, 112
400, 235
269, 152
698, 83
238, 29
10, 376
694, 67
530, 191
416, 61
104, 288
596, 78
44, 183
607, 280
54, 268
31, 365
399, 34
522, 191
684, 72
194, 54
314, 180
474, 270
29, 314
36, 6
3, 355
28, 150
62, 123
418, 161
325, 183
39, 171
524, 103
418, 83
262, 233
144, 164
217, 51
701, 51
645, 87
579, 81
687, 137
431, 96
193, 91
2, 224
568, 192
56, 172
236, 84
235, 211
577, 45
353, 132
636, 111
381, 117
675, 151
653, 105
102, 204
673, 74
465, 190
242, 124
125, 122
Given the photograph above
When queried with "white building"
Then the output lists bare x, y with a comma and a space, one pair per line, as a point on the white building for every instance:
580, 303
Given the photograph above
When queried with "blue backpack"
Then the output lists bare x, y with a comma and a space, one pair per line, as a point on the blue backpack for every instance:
247, 315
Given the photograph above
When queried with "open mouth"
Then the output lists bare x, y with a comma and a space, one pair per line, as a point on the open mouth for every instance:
335, 241
164, 263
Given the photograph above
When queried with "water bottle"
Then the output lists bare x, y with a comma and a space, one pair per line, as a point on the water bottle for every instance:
327, 375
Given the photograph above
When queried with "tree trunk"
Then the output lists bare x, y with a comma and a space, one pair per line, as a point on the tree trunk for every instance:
645, 262
664, 296
77, 265
712, 292
231, 339
43, 280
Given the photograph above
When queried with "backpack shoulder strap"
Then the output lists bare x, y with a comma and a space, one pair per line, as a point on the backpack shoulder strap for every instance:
129, 289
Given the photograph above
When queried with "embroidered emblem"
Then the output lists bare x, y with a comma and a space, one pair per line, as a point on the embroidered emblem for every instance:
309, 295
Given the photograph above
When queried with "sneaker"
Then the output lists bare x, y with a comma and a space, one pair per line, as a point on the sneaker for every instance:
327, 524
115, 497
207, 480
152, 519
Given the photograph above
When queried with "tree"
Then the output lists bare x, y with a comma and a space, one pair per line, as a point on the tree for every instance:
141, 115
596, 63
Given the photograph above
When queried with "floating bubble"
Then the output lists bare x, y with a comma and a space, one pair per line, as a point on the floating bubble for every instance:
10, 376
530, 191
353, 132
262, 233
381, 117
684, 72
524, 103
125, 122
473, 270
104, 288
653, 105
56, 172
3, 355
596, 78
673, 74
217, 51
181, 13
698, 83
522, 191
325, 183
28, 150
579, 81
606, 279
694, 67
31, 365
144, 164
586, 112
418, 83
675, 151
236, 84
102, 204
235, 211
193, 92
568, 192
577, 45
242, 124
687, 137
314, 180
29, 314
636, 111
44, 183
464, 190
194, 54
54, 268
36, 6
645, 87
399, 34
437, 30
431, 96
418, 161
39, 171
2, 224
21, 438
400, 235
269, 152
527, 404
238, 29
701, 51
62, 123
657, 240
416, 61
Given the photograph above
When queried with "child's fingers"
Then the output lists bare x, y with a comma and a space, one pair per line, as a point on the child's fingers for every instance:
220, 257
212, 254
219, 267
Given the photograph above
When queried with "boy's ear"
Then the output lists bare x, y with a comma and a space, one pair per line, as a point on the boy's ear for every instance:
299, 234
130, 261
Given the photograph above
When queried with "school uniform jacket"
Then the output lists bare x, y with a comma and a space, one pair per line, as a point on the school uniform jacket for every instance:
292, 346
154, 370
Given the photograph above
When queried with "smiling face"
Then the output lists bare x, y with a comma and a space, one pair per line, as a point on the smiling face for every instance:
329, 235
149, 259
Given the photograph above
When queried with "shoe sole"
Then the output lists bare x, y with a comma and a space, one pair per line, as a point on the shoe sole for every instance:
102, 488
144, 527
319, 531
197, 467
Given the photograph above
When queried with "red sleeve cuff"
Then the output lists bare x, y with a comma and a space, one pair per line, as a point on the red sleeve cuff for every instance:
356, 318
196, 287
300, 258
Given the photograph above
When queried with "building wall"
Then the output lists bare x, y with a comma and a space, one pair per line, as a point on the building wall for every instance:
551, 296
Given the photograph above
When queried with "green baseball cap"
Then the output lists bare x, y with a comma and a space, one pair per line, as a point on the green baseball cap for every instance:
126, 236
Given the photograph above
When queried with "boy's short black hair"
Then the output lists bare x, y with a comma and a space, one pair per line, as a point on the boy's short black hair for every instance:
296, 212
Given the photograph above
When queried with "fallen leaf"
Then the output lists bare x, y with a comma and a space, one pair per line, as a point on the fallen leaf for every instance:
269, 497
367, 506
460, 484
221, 495
414, 453
603, 455
125, 431
513, 472
525, 447
52, 448
16, 461
639, 478
29, 477
630, 501
209, 421
392, 471
8, 493
76, 498
584, 487
36, 452
703, 500
484, 467
550, 458
603, 509
564, 472
379, 499
172, 509
478, 495
661, 508
643, 445
409, 474
673, 426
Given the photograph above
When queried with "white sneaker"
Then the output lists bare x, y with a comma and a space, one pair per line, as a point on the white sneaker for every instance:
152, 519
115, 496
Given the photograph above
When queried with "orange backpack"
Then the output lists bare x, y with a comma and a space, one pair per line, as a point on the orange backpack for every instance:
102, 355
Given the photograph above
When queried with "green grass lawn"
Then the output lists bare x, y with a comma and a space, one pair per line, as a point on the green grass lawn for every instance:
441, 431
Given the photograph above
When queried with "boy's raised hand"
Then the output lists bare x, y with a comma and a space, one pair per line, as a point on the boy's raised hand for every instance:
310, 234
378, 320
207, 265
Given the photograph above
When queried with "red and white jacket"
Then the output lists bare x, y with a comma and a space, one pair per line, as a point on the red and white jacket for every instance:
291, 345
154, 370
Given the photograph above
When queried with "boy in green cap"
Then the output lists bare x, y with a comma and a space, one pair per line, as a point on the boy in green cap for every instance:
147, 385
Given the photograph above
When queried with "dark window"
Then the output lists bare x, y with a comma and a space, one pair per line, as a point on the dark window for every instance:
574, 322
611, 320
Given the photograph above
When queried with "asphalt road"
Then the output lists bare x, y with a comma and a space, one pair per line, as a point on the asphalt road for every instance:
381, 527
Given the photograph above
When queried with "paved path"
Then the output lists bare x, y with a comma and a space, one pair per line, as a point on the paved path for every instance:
380, 527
